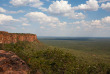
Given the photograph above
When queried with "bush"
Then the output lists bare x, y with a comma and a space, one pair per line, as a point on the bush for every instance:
53, 60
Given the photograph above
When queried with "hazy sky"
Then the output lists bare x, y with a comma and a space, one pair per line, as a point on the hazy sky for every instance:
77, 18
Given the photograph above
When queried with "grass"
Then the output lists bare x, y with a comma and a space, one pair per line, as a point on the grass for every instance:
53, 60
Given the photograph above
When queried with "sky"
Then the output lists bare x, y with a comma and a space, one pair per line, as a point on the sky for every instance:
69, 18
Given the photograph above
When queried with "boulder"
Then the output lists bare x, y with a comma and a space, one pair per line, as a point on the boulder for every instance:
10, 63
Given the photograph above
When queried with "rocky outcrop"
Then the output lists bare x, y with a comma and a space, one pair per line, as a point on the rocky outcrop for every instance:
12, 64
6, 38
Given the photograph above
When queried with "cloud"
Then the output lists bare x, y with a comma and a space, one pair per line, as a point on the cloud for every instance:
15, 12
106, 20
25, 24
62, 8
6, 19
22, 20
43, 9
100, 1
94, 24
74, 15
43, 19
91, 5
106, 6
42, 27
78, 27
9, 27
7, 22
31, 3
2, 10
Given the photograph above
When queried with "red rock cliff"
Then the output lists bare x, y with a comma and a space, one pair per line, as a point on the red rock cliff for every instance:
6, 37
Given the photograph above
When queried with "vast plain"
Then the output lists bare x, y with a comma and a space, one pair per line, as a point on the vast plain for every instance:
92, 49
57, 55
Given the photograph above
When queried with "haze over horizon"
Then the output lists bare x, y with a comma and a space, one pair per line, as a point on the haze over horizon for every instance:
69, 18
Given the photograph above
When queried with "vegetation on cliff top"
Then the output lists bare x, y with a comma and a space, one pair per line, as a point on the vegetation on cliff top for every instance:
51, 60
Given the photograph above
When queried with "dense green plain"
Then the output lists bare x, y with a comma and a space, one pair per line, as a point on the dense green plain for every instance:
64, 56
91, 49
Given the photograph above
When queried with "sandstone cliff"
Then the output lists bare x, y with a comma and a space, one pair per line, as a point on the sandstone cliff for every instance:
6, 37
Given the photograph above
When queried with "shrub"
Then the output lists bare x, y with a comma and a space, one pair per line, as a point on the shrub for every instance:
53, 60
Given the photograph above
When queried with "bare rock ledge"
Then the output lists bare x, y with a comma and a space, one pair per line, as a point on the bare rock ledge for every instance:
10, 63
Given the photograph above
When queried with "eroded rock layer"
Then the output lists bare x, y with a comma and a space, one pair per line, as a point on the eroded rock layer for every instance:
6, 37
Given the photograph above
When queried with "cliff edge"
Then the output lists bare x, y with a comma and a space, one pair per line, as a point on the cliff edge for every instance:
6, 38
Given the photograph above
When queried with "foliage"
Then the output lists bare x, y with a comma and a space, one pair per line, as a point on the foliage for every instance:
93, 50
51, 60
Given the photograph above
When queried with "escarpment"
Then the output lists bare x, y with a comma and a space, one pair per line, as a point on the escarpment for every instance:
6, 38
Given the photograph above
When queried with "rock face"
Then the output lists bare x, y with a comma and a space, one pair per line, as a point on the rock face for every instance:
7, 38
12, 64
